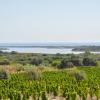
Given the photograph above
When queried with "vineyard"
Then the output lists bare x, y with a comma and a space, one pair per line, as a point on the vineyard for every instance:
67, 84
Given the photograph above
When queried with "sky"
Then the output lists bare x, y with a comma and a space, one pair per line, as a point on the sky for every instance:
49, 20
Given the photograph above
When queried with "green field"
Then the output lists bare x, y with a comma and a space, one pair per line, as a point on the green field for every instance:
39, 85
30, 81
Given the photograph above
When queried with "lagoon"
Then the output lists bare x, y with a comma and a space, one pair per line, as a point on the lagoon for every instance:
43, 50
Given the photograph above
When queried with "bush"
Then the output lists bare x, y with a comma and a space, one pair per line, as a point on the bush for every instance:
70, 64
20, 68
36, 61
55, 63
87, 53
13, 52
4, 62
65, 64
22, 62
33, 75
77, 62
89, 62
4, 74
78, 75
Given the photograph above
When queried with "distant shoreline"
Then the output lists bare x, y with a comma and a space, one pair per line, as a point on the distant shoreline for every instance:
74, 48
3, 48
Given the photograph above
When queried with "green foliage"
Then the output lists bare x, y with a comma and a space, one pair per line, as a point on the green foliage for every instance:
4, 75
65, 64
32, 83
60, 60
77, 62
13, 52
44, 97
36, 61
78, 75
33, 75
4, 62
63, 83
87, 53
89, 62
55, 63
20, 68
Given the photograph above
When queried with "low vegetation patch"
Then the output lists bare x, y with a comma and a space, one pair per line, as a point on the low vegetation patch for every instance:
33, 75
4, 74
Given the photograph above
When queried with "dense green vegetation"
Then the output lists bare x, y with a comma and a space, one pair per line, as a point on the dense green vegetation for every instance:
68, 84
56, 60
45, 76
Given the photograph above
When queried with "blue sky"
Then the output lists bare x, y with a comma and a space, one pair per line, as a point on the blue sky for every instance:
49, 20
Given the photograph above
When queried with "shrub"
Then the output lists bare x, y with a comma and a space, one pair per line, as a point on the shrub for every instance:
33, 75
22, 62
65, 64
77, 62
4, 74
89, 62
78, 75
13, 52
87, 53
36, 61
70, 64
20, 68
4, 62
55, 63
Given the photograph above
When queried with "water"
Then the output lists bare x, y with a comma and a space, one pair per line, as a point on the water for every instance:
30, 47
43, 50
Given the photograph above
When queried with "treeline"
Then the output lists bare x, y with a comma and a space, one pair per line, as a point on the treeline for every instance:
56, 60
84, 48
